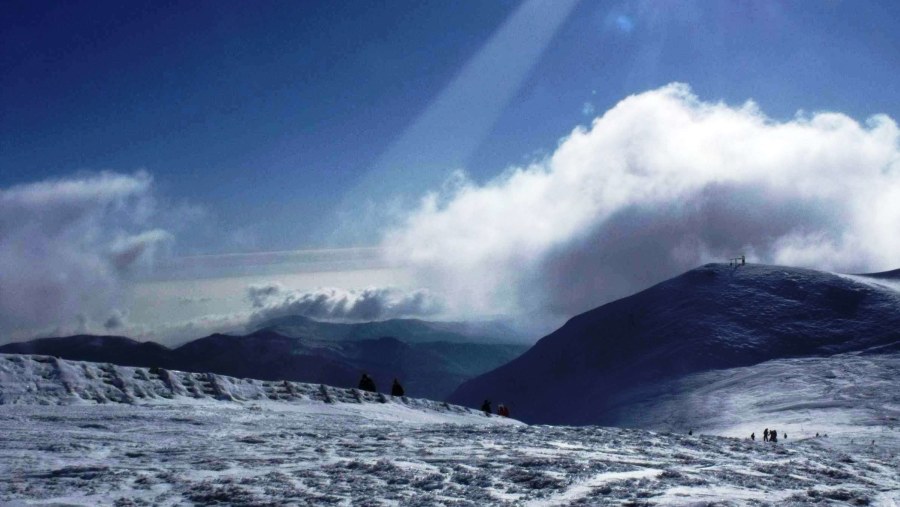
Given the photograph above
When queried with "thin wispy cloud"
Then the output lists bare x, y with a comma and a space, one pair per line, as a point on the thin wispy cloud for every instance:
268, 262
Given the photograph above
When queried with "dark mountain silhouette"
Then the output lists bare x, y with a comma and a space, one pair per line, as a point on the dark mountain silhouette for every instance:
712, 317
894, 274
264, 355
405, 330
102, 349
429, 369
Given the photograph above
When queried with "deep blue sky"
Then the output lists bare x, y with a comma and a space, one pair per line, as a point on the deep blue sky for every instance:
268, 113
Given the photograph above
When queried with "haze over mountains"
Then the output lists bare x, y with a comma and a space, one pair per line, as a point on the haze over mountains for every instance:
431, 359
715, 317
668, 357
405, 330
721, 350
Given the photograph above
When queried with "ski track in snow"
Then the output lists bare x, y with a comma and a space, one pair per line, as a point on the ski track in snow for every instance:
361, 449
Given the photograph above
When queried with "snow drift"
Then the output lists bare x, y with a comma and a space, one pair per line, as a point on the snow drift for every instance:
713, 317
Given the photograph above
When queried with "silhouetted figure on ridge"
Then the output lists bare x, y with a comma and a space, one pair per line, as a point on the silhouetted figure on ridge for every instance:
753, 436
397, 389
486, 407
766, 435
367, 384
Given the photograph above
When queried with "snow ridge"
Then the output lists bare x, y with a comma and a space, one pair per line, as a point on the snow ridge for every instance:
46, 380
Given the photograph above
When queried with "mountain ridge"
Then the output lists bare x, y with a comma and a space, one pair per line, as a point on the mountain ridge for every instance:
407, 330
712, 317
427, 369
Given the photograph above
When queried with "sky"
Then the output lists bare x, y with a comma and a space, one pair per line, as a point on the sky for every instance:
168, 169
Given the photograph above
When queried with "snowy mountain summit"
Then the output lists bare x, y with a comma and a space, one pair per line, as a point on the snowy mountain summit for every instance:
713, 318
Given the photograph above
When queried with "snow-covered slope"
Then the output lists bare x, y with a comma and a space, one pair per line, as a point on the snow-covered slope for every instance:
95, 434
45, 380
713, 317
849, 396
429, 369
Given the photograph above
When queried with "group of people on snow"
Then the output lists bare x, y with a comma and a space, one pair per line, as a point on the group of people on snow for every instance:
367, 384
502, 409
772, 435
769, 435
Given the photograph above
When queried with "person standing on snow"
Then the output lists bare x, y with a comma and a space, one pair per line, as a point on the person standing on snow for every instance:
397, 389
753, 436
766, 435
367, 384
486, 407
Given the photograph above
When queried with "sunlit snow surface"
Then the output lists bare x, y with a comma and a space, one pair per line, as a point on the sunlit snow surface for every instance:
359, 449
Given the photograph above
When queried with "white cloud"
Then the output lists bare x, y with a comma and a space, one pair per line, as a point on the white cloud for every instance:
660, 183
374, 303
267, 301
66, 245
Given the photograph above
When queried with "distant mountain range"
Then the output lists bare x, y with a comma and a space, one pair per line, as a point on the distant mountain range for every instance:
594, 368
430, 359
405, 330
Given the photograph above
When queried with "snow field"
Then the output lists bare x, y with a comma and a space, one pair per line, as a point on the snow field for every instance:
237, 442
313, 453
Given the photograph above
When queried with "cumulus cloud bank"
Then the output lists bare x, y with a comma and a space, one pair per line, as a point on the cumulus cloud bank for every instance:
274, 300
660, 183
66, 246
